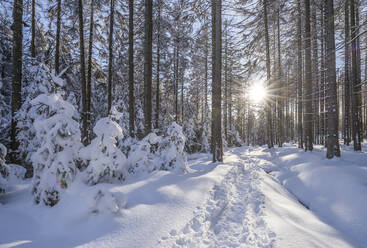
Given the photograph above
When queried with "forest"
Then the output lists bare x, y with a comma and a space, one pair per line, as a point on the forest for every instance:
183, 123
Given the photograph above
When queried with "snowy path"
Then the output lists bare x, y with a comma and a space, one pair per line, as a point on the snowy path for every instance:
231, 204
232, 216
252, 209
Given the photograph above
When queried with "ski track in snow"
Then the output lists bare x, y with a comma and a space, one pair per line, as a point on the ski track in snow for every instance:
233, 215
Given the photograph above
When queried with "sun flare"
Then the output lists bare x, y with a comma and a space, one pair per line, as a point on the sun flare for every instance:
257, 92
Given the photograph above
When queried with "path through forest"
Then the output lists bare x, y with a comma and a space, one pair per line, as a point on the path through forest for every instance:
233, 216
281, 197
250, 208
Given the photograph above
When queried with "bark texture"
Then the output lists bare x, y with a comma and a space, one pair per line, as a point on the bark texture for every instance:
148, 66
217, 146
110, 56
131, 70
308, 81
332, 118
82, 73
268, 76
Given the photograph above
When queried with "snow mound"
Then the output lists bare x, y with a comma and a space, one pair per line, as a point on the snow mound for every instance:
107, 202
333, 189
108, 128
85, 200
16, 172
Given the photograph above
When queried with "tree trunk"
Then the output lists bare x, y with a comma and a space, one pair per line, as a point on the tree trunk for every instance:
89, 76
356, 98
33, 45
217, 147
110, 56
206, 77
280, 87
148, 40
182, 94
287, 106
226, 83
16, 100
157, 100
85, 139
248, 124
230, 101
357, 6
177, 71
332, 97
131, 70
58, 29
275, 88
268, 75
365, 84
315, 73
346, 75
308, 81
299, 75
322, 77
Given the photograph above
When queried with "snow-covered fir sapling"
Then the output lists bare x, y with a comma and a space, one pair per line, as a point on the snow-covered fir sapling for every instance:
5, 114
4, 172
173, 155
38, 80
144, 156
55, 160
192, 134
106, 163
234, 137
204, 134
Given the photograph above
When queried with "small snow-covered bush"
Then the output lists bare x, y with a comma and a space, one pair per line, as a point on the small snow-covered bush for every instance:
205, 135
224, 140
4, 171
104, 201
144, 155
233, 138
55, 160
205, 147
81, 200
5, 114
107, 164
192, 134
172, 149
8, 172
16, 172
159, 153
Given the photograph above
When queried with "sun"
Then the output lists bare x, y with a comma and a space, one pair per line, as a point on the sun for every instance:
257, 91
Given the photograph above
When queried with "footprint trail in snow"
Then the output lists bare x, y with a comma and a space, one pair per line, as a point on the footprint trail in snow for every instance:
232, 216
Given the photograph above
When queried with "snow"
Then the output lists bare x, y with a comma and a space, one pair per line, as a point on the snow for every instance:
109, 129
55, 103
55, 160
106, 163
152, 206
282, 197
158, 152
332, 189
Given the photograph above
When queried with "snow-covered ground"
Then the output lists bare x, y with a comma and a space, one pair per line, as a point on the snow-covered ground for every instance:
281, 197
